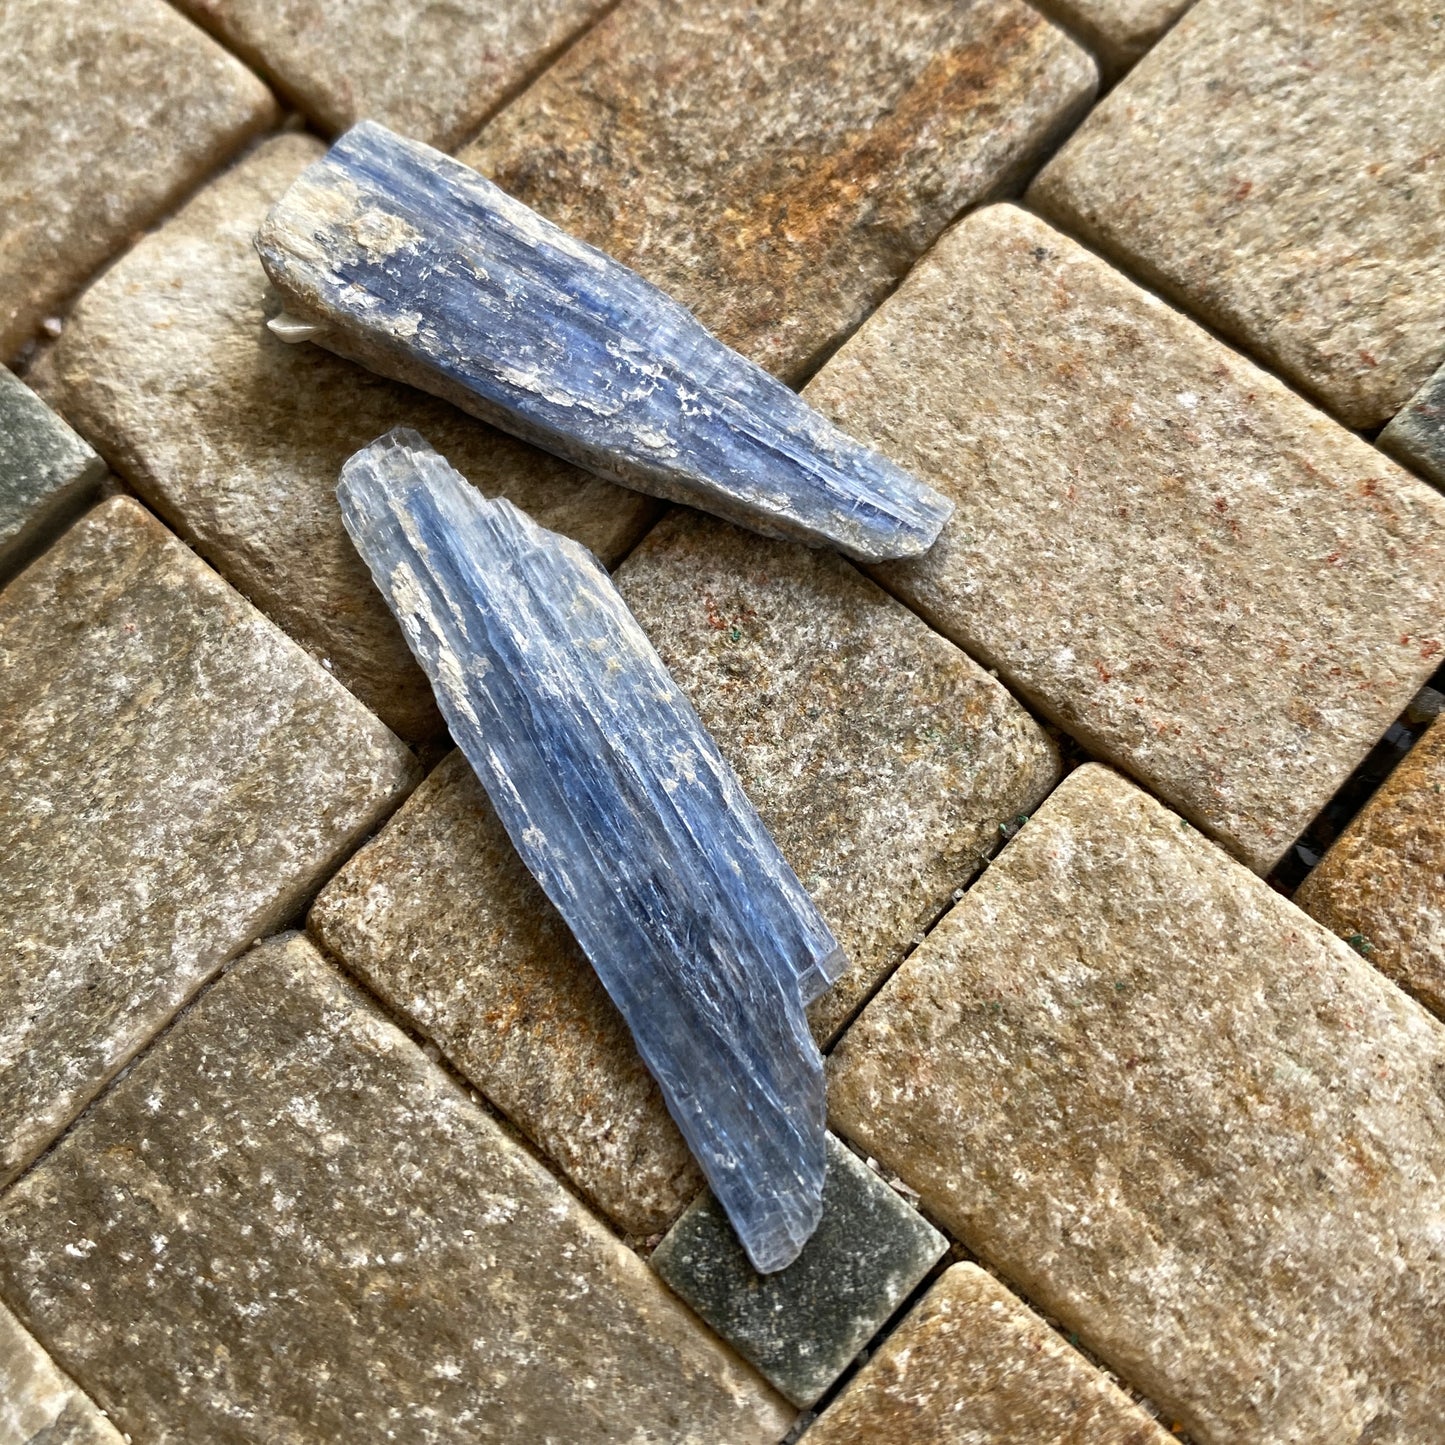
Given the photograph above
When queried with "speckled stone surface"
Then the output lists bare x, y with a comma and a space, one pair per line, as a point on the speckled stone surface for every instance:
1185, 1119
1417, 434
47, 473
778, 167
238, 439
882, 758
1192, 570
111, 113
803, 1326
1278, 169
38, 1405
1382, 884
1117, 31
176, 778
288, 1225
490, 972
433, 72
971, 1364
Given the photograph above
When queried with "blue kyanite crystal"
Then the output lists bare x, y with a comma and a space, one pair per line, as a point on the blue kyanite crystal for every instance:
619, 802
411, 263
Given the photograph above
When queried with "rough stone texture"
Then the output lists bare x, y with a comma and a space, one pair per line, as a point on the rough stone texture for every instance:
882, 758
47, 473
972, 1365
1383, 882
288, 1225
430, 71
1117, 31
489, 971
1280, 169
238, 439
1188, 567
1186, 1120
38, 1405
1417, 434
803, 1326
176, 778
111, 113
778, 167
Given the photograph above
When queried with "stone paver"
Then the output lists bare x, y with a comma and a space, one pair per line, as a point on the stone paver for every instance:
38, 1405
433, 72
1417, 434
1280, 169
1382, 884
882, 758
237, 438
288, 1225
1188, 567
1117, 31
175, 778
778, 167
47, 473
441, 919
111, 113
1185, 1119
803, 1326
972, 1365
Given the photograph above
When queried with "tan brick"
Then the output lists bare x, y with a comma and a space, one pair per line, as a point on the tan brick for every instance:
1278, 170
176, 778
38, 1405
237, 439
1188, 1121
112, 112
430, 71
1383, 881
973, 1365
1188, 567
778, 167
287, 1224
1117, 31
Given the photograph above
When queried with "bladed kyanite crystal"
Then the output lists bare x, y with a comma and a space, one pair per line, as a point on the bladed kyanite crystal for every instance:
619, 802
397, 256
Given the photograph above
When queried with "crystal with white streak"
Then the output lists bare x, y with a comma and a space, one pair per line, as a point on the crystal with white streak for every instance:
619, 802
414, 265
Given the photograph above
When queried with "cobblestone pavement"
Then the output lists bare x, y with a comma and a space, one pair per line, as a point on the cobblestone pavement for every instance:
1127, 800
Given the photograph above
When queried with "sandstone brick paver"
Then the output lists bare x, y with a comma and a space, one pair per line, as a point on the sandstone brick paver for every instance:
1117, 31
440, 917
430, 71
38, 1405
1280, 170
111, 112
803, 1326
1383, 882
778, 167
1196, 573
175, 778
883, 759
237, 438
1417, 435
288, 1225
47, 473
1184, 1118
972, 1365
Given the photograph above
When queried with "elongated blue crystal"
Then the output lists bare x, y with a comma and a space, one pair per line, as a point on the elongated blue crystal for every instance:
619, 802
413, 264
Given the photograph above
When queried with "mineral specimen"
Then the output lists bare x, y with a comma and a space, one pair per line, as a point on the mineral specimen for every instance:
619, 802
397, 256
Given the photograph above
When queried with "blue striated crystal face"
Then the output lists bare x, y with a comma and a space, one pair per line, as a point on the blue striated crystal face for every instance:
619, 802
413, 264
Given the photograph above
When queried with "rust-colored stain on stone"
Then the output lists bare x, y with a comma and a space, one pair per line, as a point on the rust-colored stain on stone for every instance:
779, 167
